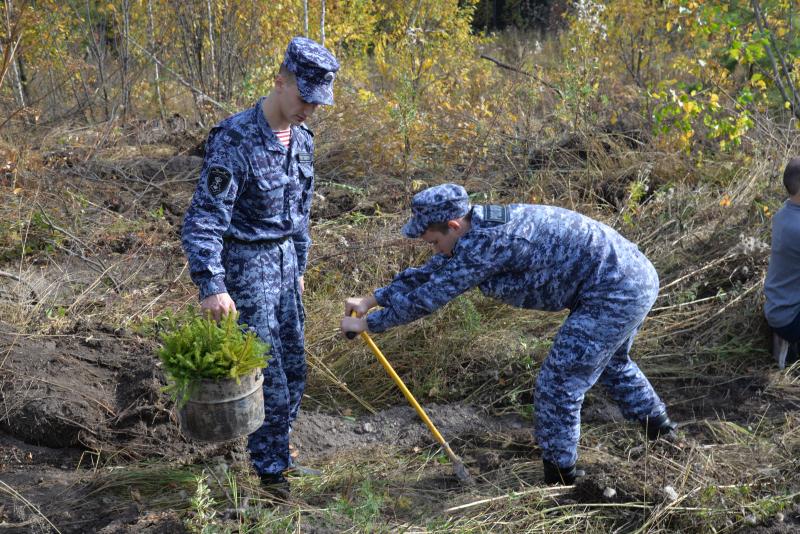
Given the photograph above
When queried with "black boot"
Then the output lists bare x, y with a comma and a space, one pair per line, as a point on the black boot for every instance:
561, 475
275, 484
793, 354
658, 426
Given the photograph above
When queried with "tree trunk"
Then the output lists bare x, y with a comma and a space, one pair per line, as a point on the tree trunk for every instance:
97, 48
18, 93
16, 62
152, 44
782, 74
125, 57
305, 18
322, 24
212, 58
22, 78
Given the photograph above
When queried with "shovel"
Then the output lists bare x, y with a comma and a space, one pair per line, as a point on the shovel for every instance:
458, 466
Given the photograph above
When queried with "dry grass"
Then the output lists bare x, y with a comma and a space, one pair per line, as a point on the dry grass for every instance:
93, 236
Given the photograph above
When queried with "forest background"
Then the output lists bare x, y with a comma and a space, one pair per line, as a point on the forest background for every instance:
669, 120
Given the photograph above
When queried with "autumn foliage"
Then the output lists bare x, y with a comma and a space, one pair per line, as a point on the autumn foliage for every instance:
413, 74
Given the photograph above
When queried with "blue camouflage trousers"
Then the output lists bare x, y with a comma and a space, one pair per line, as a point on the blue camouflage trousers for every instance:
262, 279
593, 344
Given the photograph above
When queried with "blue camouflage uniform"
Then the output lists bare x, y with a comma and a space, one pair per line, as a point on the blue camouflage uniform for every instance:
246, 233
543, 258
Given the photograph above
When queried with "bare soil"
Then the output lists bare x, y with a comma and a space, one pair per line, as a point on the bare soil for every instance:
69, 403
76, 404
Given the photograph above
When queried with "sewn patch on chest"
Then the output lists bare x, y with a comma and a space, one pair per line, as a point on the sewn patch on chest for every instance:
494, 213
218, 179
305, 157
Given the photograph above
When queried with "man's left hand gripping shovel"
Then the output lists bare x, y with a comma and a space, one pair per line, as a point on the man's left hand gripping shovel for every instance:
458, 466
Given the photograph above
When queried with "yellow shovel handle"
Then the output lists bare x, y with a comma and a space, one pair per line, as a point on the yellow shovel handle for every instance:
399, 381
403, 388
458, 466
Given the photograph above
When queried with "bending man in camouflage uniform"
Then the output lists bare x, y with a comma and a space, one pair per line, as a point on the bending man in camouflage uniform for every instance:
246, 232
543, 258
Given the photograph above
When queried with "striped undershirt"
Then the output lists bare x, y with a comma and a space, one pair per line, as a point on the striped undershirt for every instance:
284, 136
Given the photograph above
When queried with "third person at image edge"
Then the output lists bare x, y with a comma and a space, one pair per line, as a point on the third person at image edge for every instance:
543, 258
782, 284
246, 234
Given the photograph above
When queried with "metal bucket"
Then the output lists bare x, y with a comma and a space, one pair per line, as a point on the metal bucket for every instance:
220, 410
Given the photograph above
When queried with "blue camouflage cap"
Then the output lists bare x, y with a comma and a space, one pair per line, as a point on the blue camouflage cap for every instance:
314, 67
436, 204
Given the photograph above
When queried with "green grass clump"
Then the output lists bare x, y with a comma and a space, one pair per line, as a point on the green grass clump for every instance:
200, 348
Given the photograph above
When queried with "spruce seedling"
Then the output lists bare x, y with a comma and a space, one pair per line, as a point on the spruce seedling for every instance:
197, 348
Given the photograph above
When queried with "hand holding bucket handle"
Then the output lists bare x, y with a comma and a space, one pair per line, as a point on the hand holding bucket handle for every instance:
458, 466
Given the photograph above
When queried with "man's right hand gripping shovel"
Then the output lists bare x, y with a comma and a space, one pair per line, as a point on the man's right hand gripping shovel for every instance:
354, 323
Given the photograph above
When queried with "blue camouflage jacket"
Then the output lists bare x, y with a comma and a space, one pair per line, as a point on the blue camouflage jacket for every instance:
529, 256
251, 189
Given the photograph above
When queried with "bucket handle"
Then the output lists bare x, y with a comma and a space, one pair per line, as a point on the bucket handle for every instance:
259, 383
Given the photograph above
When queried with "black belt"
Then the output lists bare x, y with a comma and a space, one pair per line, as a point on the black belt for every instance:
257, 242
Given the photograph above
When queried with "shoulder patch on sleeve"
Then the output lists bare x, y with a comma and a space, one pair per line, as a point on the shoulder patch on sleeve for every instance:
232, 137
495, 213
218, 179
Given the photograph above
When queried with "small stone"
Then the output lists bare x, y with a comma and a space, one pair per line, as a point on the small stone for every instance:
368, 428
750, 519
779, 517
609, 493
239, 456
769, 471
221, 469
670, 493
221, 465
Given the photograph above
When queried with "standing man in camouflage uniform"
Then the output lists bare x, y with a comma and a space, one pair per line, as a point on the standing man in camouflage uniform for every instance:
543, 258
246, 232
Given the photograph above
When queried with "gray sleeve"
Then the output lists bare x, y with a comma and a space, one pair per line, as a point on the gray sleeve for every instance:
474, 262
209, 213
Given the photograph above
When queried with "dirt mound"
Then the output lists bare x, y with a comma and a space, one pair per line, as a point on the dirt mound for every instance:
94, 391
57, 494
88, 389
318, 435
